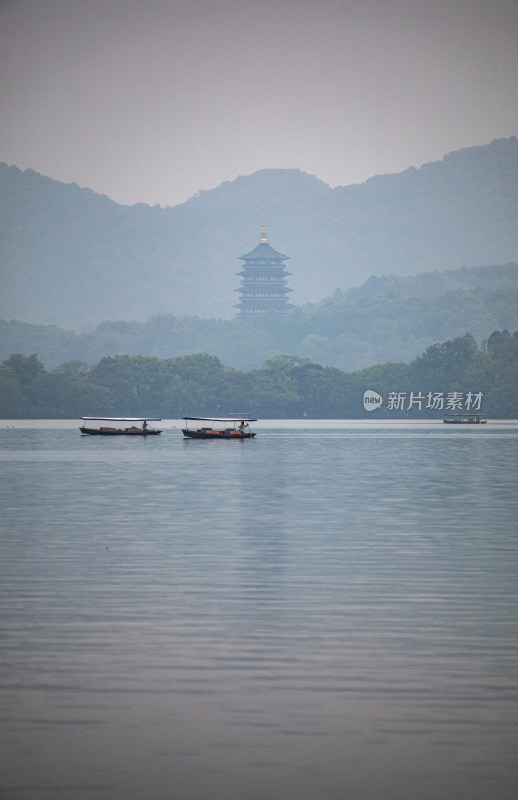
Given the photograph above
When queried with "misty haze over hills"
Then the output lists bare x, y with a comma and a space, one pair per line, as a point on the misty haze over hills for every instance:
73, 258
386, 319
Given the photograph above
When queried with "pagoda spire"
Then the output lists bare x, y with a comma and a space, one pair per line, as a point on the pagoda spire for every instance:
264, 237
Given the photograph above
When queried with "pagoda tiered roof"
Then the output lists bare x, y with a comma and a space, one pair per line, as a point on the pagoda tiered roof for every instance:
265, 251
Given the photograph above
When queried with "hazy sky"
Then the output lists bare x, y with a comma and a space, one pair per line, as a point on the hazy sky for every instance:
153, 100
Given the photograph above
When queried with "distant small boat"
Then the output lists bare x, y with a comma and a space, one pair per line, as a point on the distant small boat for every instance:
235, 428
465, 419
119, 426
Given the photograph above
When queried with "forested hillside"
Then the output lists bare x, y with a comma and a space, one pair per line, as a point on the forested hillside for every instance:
72, 258
455, 374
387, 319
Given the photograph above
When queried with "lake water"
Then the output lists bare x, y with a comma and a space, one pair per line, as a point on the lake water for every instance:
327, 612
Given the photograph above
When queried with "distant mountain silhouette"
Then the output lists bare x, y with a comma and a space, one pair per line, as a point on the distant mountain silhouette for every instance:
73, 258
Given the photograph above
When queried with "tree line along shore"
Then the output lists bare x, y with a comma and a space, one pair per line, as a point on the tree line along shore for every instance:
454, 375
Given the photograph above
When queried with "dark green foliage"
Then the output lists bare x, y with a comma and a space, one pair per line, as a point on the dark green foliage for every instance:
23, 369
285, 386
28, 390
445, 364
500, 366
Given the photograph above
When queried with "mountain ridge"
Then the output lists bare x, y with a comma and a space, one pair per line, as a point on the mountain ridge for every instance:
73, 258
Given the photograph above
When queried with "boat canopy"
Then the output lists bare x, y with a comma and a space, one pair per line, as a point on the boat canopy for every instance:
222, 419
465, 416
122, 419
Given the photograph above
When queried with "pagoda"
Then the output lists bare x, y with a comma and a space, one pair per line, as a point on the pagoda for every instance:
263, 285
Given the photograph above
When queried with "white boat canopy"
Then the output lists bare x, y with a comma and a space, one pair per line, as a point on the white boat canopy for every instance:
222, 419
122, 419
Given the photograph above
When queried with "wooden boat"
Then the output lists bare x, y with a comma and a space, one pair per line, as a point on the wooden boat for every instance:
235, 428
119, 426
465, 419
